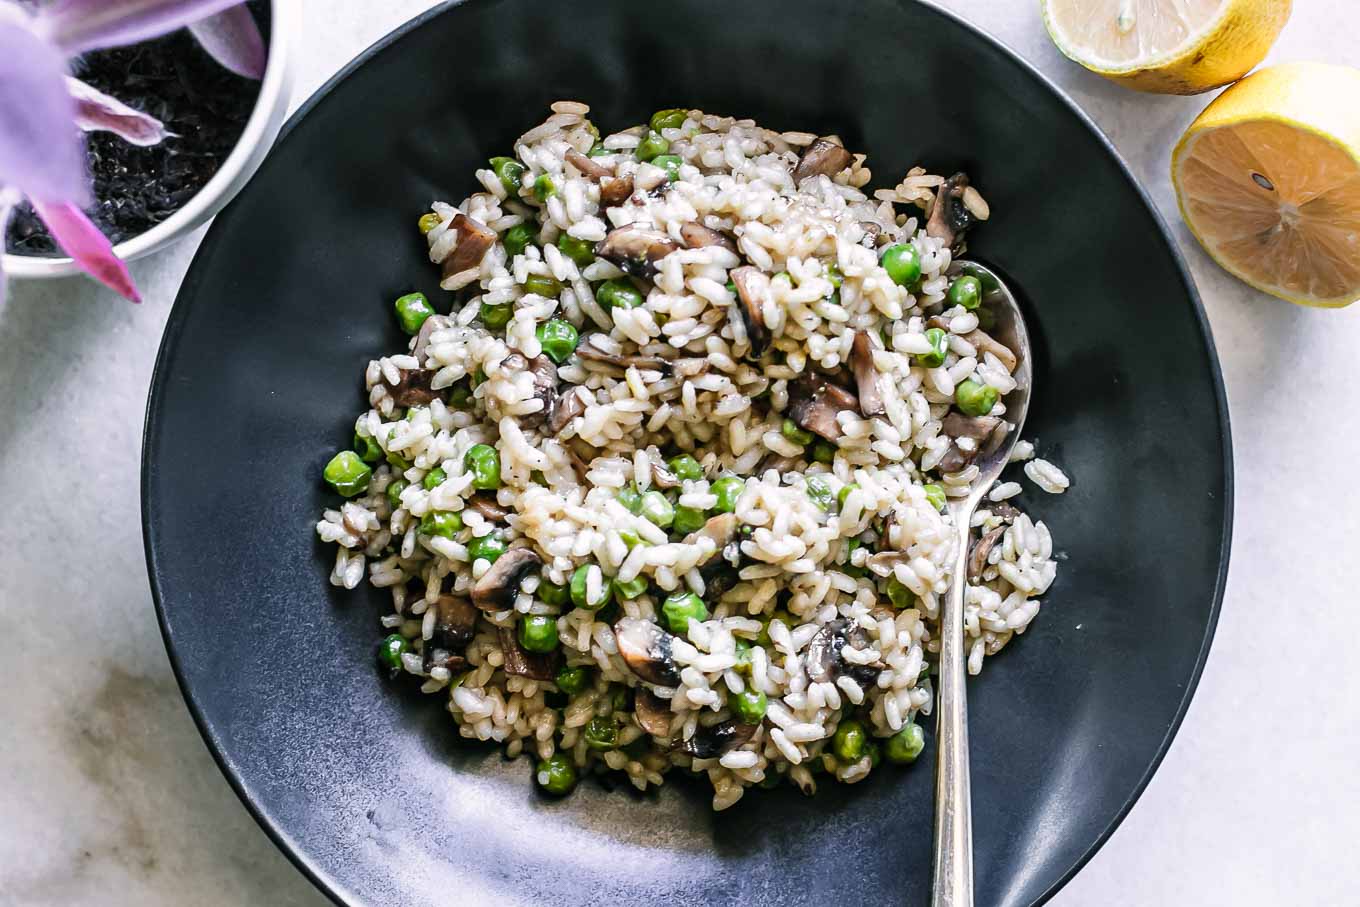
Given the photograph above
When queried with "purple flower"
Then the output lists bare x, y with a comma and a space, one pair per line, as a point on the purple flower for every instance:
43, 109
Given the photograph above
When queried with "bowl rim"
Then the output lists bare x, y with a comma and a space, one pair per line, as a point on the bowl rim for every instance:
262, 126
319, 876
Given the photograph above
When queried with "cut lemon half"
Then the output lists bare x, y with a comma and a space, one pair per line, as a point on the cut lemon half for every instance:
1167, 46
1268, 180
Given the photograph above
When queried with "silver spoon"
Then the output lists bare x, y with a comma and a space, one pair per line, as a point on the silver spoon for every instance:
953, 800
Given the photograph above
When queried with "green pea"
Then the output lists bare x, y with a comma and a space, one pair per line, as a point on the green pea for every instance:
845, 493
743, 665
630, 538
551, 593
397, 460
903, 264
673, 118
680, 608
572, 680
556, 774
686, 467
727, 489
823, 451
833, 274
688, 519
558, 339
598, 150
518, 238
412, 310
394, 490
487, 548
542, 285
966, 291
347, 473
444, 523
496, 317
544, 188
629, 497
749, 706
985, 279
904, 746
975, 398
632, 588
935, 495
939, 348
618, 294
485, 465
433, 479
538, 633
368, 448
578, 590
620, 698
797, 435
669, 163
849, 741
460, 395
820, 492
657, 509
578, 250
900, 596
428, 222
652, 146
601, 733
391, 649
874, 750
510, 172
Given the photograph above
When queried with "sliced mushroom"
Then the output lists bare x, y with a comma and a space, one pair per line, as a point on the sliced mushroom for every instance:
872, 231
979, 428
569, 405
752, 284
646, 649
866, 376
822, 158
442, 658
474, 239
615, 190
589, 169
949, 216
662, 477
414, 387
545, 377
653, 714
825, 661
534, 665
432, 324
579, 464
883, 562
977, 558
697, 236
497, 588
636, 250
814, 403
455, 622
587, 349
712, 742
986, 343
1003, 510
487, 505
722, 529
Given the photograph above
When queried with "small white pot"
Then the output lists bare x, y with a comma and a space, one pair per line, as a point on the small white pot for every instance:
271, 105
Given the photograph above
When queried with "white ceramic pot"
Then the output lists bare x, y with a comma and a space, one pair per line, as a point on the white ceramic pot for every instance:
261, 129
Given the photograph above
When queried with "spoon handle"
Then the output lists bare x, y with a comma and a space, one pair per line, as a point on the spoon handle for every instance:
953, 801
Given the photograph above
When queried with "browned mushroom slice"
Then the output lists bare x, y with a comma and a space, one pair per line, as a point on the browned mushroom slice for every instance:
986, 343
821, 158
636, 250
949, 216
568, 406
979, 428
443, 658
587, 349
497, 588
579, 464
814, 403
455, 621
866, 376
534, 665
872, 231
712, 742
589, 169
825, 661
977, 558
653, 713
697, 236
752, 284
615, 190
474, 239
646, 649
1003, 510
414, 387
487, 505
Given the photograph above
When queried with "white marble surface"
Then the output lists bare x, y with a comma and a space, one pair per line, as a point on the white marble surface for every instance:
108, 796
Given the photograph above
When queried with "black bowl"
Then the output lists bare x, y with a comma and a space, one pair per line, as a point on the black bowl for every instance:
366, 785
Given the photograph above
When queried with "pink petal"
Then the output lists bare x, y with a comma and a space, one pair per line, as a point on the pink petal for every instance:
81, 240
97, 111
233, 38
41, 152
80, 25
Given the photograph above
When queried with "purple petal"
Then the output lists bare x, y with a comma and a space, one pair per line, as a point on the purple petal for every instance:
41, 152
97, 111
91, 249
234, 39
80, 25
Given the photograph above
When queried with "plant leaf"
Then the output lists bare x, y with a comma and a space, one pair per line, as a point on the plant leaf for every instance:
233, 38
92, 251
41, 152
97, 111
80, 25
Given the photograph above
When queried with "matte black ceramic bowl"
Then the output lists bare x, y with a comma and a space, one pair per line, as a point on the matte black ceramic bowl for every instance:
366, 785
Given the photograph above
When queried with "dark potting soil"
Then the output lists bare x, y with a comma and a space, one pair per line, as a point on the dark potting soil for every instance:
173, 79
